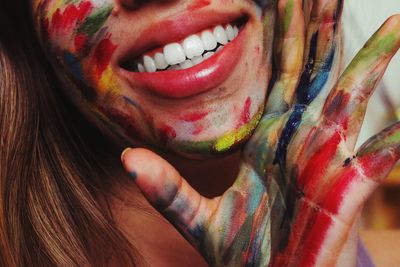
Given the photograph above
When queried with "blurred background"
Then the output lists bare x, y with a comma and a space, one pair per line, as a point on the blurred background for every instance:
381, 217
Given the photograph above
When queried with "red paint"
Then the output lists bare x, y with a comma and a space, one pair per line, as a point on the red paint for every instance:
83, 10
195, 116
198, 4
71, 15
123, 120
102, 55
166, 133
80, 41
311, 136
56, 21
318, 163
310, 227
334, 198
237, 216
377, 165
314, 237
245, 116
198, 129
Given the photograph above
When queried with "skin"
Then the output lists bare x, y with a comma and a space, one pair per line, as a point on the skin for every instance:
301, 185
299, 179
89, 38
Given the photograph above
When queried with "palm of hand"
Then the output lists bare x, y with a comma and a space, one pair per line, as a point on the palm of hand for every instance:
300, 186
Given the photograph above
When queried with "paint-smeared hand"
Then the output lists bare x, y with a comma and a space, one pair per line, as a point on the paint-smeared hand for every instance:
301, 186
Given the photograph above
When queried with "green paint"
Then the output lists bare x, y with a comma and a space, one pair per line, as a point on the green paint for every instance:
390, 139
190, 147
393, 139
67, 2
384, 44
228, 140
387, 43
95, 21
288, 16
216, 146
269, 13
375, 47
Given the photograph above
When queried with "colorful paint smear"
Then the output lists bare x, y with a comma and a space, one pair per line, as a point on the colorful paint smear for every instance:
301, 185
75, 29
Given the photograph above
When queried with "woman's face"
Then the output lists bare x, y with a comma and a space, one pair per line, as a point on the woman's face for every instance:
186, 75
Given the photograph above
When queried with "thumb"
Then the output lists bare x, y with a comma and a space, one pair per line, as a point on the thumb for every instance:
168, 192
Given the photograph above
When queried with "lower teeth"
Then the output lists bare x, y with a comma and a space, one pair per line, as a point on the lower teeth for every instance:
188, 63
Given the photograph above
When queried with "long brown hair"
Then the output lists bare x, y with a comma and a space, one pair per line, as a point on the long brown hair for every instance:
51, 185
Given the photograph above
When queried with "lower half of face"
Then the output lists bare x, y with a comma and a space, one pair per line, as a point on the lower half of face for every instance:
189, 77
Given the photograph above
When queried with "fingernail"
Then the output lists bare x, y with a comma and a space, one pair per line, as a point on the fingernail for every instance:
132, 174
124, 152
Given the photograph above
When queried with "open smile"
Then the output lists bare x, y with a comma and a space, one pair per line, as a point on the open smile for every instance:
179, 60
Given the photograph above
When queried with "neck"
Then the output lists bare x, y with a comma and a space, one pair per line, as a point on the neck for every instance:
209, 177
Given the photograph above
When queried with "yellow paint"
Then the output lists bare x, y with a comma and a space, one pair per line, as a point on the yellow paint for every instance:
107, 82
53, 6
229, 139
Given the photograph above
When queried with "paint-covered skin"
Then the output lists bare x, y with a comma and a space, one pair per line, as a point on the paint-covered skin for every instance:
93, 39
301, 183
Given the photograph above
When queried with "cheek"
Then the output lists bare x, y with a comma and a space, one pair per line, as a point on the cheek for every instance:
77, 35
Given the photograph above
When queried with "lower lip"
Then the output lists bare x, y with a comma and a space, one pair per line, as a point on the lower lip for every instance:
189, 82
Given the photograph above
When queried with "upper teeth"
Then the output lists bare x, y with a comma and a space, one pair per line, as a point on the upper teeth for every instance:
193, 50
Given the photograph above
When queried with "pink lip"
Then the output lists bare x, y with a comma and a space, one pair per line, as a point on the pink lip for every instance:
183, 83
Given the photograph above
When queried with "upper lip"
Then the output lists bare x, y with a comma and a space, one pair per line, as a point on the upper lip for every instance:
175, 29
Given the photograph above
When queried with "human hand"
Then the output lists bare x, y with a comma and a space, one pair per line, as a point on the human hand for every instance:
301, 185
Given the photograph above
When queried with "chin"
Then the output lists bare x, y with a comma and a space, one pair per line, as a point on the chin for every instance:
218, 129
195, 87
207, 105
222, 145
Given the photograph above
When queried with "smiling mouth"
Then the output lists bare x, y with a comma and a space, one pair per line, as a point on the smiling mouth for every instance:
182, 58
187, 53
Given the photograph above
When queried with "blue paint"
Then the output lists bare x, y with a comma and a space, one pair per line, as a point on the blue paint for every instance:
257, 192
302, 88
131, 102
74, 65
307, 91
319, 80
133, 175
197, 232
288, 132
